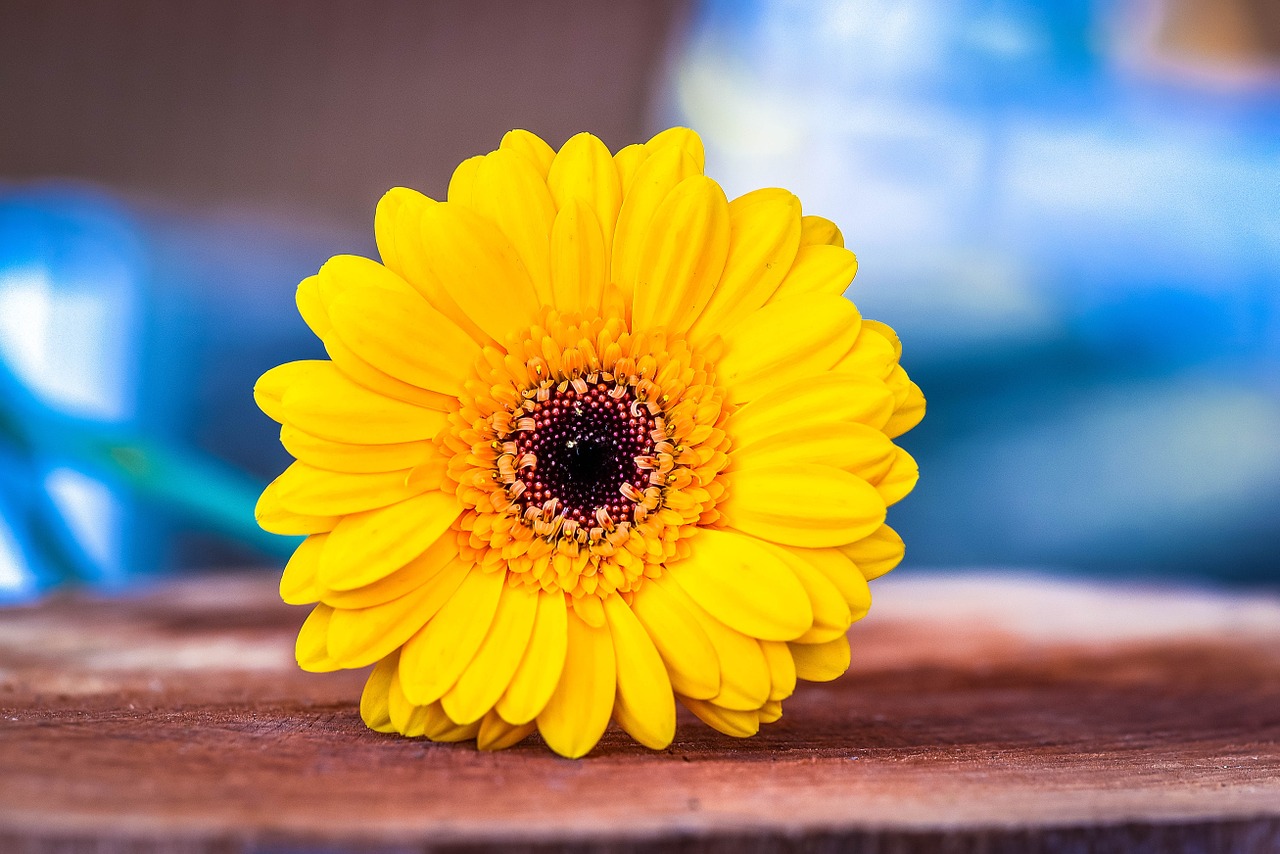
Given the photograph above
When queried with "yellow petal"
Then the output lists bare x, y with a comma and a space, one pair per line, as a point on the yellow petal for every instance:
627, 161
489, 674
497, 734
739, 724
576, 715
356, 459
479, 269
272, 516
682, 255
869, 356
744, 584
311, 307
782, 669
299, 585
327, 404
579, 260
510, 192
856, 448
821, 662
843, 575
435, 657
373, 700
312, 647
406, 718
876, 553
400, 220
584, 171
819, 230
812, 401
786, 341
438, 727
818, 271
361, 636
686, 650
269, 390
645, 706
685, 139
540, 667
305, 489
367, 376
802, 505
770, 711
764, 234
403, 336
831, 614
365, 547
421, 570
462, 183
656, 177
531, 147
744, 675
908, 414
899, 479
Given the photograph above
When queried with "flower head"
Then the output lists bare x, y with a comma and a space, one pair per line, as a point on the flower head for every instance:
592, 439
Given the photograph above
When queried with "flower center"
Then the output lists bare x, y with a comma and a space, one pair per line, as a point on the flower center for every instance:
584, 454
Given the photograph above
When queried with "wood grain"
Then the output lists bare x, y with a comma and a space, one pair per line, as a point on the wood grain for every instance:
983, 713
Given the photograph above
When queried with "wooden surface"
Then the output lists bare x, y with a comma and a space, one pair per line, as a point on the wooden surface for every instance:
983, 713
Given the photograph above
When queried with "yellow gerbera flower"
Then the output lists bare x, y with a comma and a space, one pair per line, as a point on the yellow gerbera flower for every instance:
592, 439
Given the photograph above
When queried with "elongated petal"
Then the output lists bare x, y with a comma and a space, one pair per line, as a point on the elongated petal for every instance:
764, 234
685, 139
437, 726
361, 636
435, 657
364, 374
401, 335
843, 575
269, 390
531, 147
489, 674
365, 547
869, 356
627, 161
744, 676
831, 614
682, 255
583, 171
898, 479
690, 657
744, 584
739, 724
355, 459
311, 307
821, 662
876, 553
819, 400
479, 269
579, 259
510, 192
497, 734
802, 505
787, 341
856, 448
299, 585
407, 719
782, 669
305, 489
576, 715
819, 230
908, 414
656, 177
420, 571
327, 404
817, 271
462, 183
540, 668
271, 515
645, 707
374, 710
312, 646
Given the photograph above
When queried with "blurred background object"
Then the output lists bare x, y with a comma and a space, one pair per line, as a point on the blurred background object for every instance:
1070, 211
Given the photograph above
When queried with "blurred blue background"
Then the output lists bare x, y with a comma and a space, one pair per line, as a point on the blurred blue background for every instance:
1070, 211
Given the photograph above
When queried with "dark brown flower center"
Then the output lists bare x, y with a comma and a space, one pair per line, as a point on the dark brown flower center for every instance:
584, 446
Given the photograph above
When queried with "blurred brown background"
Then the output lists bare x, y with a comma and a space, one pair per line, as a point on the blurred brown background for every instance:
315, 105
